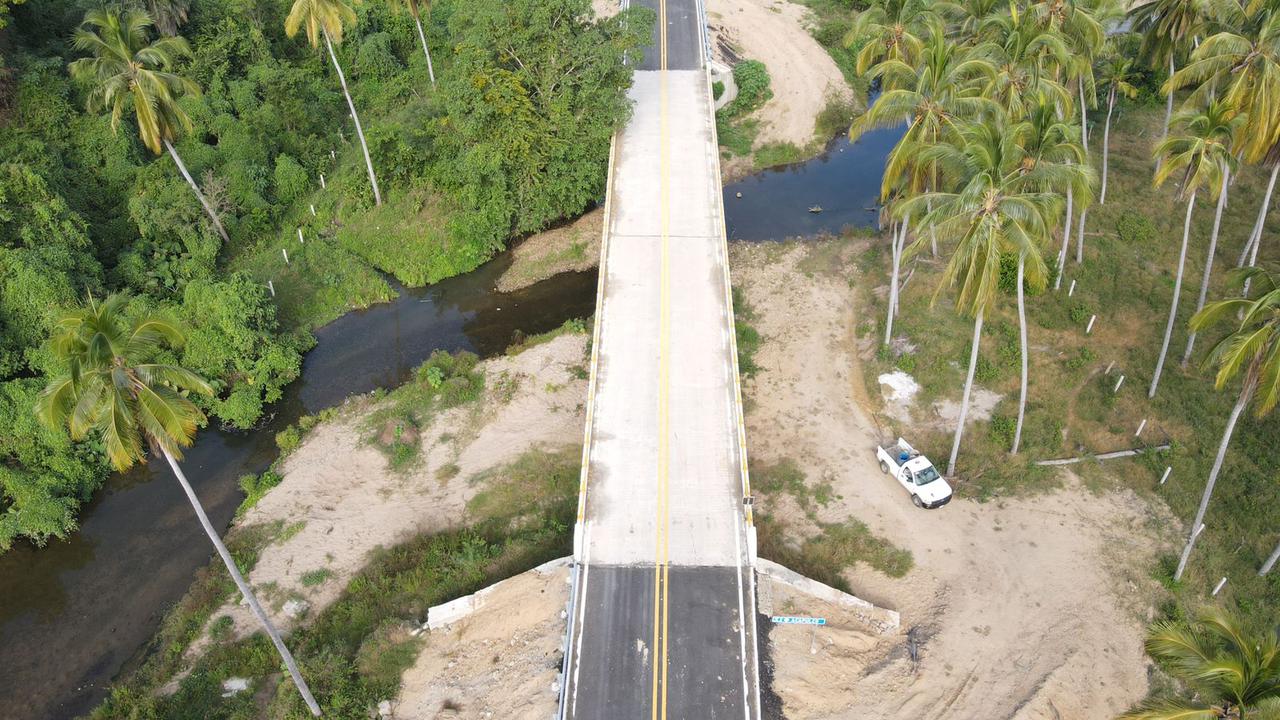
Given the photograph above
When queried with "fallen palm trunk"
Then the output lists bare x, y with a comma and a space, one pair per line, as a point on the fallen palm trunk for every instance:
1104, 456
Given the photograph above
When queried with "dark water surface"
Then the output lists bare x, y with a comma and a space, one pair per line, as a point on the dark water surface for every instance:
73, 613
844, 181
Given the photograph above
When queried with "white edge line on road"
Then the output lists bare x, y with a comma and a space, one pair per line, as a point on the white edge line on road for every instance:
582, 611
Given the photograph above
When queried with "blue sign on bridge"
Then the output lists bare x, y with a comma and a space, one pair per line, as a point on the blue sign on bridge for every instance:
793, 620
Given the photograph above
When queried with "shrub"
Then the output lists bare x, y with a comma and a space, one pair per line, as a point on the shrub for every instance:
717, 89
1080, 313
1134, 228
752, 79
288, 439
1003, 428
291, 179
255, 487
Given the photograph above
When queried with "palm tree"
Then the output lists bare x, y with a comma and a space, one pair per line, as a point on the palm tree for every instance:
326, 19
1202, 153
967, 16
126, 69
1166, 26
1246, 64
1117, 74
1051, 161
1027, 59
1231, 670
992, 211
1252, 348
114, 391
417, 13
892, 29
168, 14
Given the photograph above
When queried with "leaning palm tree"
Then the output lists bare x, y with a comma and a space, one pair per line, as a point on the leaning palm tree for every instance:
1201, 154
326, 19
992, 211
1117, 75
1245, 63
127, 71
1234, 673
417, 10
114, 390
1252, 349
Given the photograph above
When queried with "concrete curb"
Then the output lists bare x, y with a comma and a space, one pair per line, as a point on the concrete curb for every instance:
884, 621
451, 612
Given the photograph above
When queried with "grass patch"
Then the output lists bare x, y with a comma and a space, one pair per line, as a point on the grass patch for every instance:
312, 578
778, 153
832, 547
748, 338
444, 381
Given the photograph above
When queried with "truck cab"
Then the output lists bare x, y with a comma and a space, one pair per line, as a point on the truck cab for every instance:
916, 475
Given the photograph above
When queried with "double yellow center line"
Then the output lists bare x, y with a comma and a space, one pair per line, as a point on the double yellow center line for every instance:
661, 569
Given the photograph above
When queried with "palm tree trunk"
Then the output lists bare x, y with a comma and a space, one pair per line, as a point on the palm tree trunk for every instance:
1066, 242
245, 590
968, 388
1177, 290
217, 224
1271, 561
1084, 119
425, 50
1243, 400
933, 234
373, 179
1022, 332
1208, 261
1084, 215
893, 287
1262, 217
1106, 144
902, 248
1168, 105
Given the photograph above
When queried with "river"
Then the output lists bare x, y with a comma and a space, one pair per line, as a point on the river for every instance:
74, 613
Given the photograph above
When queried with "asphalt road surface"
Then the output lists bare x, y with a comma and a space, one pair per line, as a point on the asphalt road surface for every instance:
665, 603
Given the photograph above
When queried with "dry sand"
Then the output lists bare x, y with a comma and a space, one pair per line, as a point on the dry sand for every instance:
500, 662
571, 247
1024, 608
340, 486
803, 76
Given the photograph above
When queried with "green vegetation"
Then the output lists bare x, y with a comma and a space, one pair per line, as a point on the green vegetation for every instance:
257, 147
444, 381
355, 650
815, 548
1229, 672
748, 338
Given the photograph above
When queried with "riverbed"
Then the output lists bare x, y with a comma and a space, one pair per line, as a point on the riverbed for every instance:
75, 613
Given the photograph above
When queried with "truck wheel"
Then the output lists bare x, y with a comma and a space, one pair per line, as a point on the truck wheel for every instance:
918, 502
884, 467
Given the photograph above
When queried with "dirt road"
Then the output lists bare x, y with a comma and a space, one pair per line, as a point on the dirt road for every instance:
1028, 608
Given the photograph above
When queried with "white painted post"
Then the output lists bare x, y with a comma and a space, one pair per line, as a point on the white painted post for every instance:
1072, 290
286, 255
272, 287
300, 240
1109, 366
333, 155
322, 185
313, 211
1089, 328
1119, 382
1218, 588
1165, 476
1141, 425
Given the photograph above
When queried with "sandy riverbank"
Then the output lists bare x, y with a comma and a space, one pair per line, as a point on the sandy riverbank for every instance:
339, 487
1024, 608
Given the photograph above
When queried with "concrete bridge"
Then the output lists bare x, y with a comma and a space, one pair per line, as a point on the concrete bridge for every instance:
662, 621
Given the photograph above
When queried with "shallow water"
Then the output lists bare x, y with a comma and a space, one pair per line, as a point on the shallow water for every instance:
72, 614
844, 181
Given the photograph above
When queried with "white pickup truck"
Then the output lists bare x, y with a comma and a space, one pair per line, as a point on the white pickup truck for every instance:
915, 473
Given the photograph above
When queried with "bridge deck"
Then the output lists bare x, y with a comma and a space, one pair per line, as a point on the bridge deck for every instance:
665, 588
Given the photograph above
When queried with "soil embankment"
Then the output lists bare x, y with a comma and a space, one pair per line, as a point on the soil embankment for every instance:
1032, 607
345, 501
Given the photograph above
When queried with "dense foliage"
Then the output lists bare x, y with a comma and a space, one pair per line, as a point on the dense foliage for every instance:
513, 137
